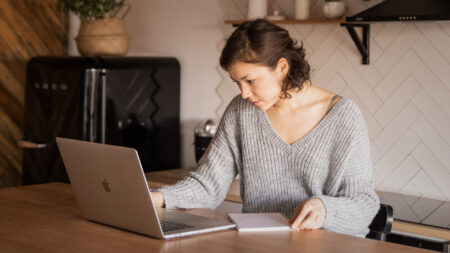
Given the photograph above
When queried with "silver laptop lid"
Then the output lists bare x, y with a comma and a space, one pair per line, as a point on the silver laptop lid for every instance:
108, 182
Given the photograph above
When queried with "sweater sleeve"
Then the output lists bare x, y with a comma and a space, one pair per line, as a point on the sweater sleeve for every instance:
352, 202
208, 184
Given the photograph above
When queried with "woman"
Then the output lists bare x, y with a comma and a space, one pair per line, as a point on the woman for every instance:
299, 150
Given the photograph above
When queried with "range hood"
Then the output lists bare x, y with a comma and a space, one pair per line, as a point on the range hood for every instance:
405, 10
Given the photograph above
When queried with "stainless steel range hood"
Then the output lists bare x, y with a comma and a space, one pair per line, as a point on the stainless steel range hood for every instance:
405, 10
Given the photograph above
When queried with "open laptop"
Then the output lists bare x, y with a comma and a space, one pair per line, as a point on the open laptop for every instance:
111, 188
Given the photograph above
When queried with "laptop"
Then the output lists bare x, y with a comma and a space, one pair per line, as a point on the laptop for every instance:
111, 188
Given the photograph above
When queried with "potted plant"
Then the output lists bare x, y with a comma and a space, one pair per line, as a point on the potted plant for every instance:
102, 32
333, 8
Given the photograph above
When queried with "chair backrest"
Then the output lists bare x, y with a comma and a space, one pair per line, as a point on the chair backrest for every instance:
382, 223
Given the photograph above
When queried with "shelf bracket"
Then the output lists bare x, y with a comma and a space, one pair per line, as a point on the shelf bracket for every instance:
363, 46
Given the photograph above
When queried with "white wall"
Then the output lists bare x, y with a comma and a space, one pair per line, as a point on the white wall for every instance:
404, 93
189, 31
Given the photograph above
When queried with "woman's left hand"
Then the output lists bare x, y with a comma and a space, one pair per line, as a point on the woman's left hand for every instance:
309, 214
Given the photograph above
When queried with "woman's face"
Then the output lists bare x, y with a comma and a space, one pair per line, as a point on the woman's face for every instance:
259, 84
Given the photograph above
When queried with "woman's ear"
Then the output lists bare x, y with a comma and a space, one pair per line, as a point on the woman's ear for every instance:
283, 66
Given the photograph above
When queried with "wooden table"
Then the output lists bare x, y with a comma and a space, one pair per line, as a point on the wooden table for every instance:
46, 218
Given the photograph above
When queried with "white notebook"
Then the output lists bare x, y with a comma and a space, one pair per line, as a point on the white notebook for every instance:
260, 221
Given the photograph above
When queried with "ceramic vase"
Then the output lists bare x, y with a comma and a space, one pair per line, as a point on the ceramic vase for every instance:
301, 9
333, 9
257, 9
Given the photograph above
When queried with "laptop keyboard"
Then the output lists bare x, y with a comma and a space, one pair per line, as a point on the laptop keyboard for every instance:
168, 226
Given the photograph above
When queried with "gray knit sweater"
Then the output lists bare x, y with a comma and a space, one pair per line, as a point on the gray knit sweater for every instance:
332, 162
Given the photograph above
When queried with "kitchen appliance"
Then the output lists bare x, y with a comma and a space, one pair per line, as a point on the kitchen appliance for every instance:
405, 10
203, 134
126, 101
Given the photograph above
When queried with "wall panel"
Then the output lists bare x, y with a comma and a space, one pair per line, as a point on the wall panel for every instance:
27, 29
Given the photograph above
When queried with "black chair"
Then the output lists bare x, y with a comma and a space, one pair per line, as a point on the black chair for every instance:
382, 223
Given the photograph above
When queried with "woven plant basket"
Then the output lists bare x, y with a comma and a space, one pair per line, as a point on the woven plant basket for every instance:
103, 37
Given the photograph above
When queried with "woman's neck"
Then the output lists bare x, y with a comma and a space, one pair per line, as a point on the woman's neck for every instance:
297, 100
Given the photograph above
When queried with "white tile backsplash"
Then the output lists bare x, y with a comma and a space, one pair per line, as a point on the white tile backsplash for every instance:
433, 32
376, 28
319, 34
440, 217
336, 85
411, 190
399, 47
396, 154
434, 60
397, 75
304, 30
410, 199
397, 101
386, 36
434, 87
434, 170
329, 70
328, 46
425, 207
426, 186
360, 87
445, 25
400, 124
434, 142
400, 176
376, 153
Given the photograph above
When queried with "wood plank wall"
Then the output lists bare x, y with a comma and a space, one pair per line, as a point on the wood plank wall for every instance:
28, 28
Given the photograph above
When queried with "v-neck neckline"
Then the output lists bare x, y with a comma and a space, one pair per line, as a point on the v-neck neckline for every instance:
270, 132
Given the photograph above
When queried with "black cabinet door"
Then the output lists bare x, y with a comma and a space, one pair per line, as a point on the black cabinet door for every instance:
53, 107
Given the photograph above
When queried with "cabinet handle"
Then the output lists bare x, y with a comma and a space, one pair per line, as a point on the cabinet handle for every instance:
30, 144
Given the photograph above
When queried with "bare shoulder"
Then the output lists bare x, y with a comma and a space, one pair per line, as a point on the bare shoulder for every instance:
336, 99
324, 97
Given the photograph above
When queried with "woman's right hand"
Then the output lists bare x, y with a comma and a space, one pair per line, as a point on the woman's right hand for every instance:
158, 199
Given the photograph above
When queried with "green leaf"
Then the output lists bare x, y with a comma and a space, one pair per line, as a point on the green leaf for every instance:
91, 9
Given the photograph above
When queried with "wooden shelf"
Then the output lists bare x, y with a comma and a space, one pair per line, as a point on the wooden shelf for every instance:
361, 43
294, 21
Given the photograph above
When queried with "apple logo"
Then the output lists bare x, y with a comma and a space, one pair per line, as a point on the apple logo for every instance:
106, 186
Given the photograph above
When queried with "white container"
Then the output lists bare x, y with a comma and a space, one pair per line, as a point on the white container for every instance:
257, 9
333, 9
275, 16
301, 9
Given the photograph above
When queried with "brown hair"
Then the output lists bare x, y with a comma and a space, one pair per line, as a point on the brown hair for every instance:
262, 42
